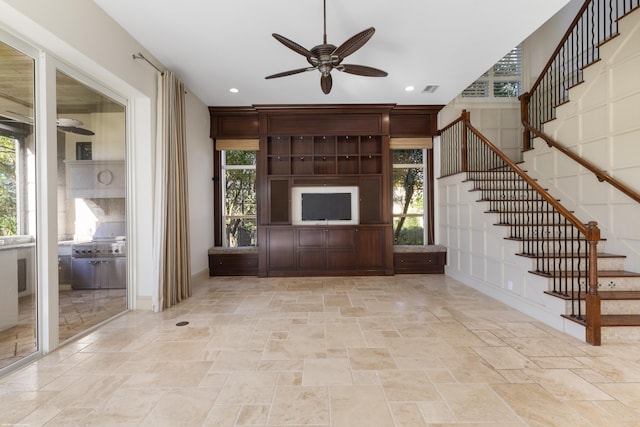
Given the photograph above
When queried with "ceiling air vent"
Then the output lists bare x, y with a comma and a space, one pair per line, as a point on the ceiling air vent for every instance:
430, 89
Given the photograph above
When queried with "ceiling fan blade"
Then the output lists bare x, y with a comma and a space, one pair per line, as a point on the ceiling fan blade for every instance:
293, 45
69, 122
361, 70
325, 83
354, 43
290, 72
73, 129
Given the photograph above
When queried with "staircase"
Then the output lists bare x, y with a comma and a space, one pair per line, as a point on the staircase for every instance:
558, 254
564, 269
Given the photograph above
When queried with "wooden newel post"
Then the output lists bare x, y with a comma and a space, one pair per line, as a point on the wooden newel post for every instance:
466, 117
524, 117
593, 335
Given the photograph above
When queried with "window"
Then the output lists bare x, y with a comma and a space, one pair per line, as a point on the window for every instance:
8, 205
239, 195
503, 80
408, 196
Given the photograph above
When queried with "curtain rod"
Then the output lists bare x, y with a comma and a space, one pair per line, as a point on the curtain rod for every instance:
141, 56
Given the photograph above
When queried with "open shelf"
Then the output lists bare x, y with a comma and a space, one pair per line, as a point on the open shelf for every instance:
324, 155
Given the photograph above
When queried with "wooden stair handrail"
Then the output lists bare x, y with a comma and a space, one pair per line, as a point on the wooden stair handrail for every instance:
589, 232
563, 40
602, 176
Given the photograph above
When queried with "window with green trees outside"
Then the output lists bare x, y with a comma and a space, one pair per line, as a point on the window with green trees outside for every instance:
240, 203
408, 197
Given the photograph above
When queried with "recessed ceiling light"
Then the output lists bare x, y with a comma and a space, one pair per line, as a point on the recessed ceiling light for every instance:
234, 90
409, 88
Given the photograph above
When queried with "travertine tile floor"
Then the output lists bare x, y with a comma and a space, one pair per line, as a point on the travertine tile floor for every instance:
79, 310
410, 351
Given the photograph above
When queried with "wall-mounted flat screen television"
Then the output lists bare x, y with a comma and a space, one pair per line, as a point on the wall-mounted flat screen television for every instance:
324, 205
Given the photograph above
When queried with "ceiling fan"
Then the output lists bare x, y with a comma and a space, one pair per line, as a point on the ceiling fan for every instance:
65, 124
326, 57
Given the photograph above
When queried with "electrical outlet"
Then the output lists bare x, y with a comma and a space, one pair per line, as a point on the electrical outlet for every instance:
510, 285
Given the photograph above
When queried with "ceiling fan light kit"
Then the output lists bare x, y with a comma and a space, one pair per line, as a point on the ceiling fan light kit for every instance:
326, 57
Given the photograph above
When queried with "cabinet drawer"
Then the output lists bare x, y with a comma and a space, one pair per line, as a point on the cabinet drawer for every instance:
233, 264
419, 262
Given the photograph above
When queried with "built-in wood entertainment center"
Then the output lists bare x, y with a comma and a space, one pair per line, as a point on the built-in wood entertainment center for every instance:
303, 149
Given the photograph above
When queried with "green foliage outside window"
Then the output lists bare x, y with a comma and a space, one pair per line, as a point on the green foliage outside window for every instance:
408, 197
240, 198
8, 213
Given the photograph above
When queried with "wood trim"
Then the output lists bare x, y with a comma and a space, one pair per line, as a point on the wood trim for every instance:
217, 198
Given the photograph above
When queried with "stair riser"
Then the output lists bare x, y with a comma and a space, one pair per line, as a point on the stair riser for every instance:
612, 307
619, 284
511, 194
556, 247
528, 231
607, 284
603, 264
528, 217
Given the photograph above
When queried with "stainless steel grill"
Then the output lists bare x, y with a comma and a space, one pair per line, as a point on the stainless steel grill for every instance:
101, 263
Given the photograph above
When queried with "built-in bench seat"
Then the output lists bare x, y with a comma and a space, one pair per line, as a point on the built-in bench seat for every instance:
243, 261
240, 261
419, 259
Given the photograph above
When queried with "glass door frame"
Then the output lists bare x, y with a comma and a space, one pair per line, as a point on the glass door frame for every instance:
46, 206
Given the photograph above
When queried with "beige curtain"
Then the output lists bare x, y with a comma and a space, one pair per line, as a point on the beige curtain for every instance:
172, 195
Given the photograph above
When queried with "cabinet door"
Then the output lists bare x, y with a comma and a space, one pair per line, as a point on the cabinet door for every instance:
312, 260
341, 249
341, 259
311, 238
341, 238
370, 200
371, 251
280, 249
278, 201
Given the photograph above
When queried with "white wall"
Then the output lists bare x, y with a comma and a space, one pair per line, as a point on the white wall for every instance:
499, 119
200, 159
479, 256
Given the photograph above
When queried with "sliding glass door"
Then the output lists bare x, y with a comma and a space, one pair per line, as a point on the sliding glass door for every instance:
91, 206
76, 222
18, 210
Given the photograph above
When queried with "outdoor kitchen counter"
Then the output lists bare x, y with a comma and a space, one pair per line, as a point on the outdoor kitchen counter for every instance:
12, 249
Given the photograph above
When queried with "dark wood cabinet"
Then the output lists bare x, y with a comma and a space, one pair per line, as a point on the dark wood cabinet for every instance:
331, 146
419, 262
327, 250
281, 253
324, 155
233, 262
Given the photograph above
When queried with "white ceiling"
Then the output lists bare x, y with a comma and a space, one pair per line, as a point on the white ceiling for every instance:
214, 45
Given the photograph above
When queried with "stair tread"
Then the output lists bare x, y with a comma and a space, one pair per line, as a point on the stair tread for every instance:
513, 200
565, 255
546, 224
546, 239
521, 212
604, 295
505, 189
603, 273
